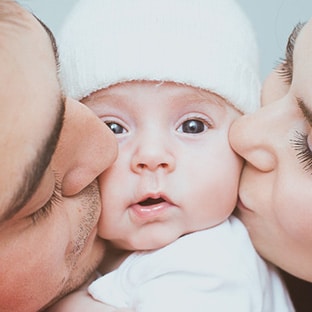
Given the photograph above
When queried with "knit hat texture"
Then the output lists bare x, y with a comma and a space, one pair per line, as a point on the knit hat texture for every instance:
208, 44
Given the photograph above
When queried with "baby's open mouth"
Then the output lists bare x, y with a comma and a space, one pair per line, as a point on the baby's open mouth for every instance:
151, 201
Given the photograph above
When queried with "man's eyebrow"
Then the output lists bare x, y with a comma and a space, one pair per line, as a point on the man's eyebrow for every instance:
34, 171
52, 39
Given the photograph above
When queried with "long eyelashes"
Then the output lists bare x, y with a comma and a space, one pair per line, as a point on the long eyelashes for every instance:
304, 153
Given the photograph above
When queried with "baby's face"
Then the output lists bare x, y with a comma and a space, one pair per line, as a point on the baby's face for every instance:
175, 172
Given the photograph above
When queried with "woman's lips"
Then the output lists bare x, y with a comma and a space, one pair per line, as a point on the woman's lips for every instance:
241, 206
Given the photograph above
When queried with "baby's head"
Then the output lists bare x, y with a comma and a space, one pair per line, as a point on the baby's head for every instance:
208, 44
129, 60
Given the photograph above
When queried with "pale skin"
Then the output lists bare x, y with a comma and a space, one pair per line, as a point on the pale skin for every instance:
275, 185
173, 167
276, 141
167, 134
49, 197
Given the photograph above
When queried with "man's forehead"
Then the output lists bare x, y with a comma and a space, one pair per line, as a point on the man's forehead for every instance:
16, 23
30, 100
12, 20
13, 17
28, 77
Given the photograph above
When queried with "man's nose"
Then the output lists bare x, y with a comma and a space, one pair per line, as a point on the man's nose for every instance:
86, 148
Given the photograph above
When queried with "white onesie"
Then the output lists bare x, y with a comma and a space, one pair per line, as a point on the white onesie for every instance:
216, 269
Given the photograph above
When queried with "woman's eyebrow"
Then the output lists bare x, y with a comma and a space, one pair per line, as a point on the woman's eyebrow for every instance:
291, 46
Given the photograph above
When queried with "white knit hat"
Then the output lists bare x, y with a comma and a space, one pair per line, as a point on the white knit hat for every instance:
208, 44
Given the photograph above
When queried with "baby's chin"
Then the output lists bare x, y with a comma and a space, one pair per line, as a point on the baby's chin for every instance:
149, 242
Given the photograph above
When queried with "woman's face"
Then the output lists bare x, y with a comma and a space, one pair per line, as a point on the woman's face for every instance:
276, 184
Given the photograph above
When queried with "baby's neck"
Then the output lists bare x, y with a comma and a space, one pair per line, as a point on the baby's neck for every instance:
113, 258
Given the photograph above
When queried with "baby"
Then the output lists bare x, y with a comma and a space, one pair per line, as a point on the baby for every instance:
169, 78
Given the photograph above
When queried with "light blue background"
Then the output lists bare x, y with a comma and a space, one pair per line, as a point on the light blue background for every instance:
273, 20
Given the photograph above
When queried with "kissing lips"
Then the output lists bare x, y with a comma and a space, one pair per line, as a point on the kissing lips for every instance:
242, 207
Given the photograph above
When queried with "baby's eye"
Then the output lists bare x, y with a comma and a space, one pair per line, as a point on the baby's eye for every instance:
115, 127
192, 126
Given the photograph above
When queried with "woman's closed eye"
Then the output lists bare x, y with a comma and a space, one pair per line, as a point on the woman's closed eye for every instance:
304, 153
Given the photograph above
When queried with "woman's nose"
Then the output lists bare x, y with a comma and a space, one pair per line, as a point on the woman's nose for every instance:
86, 148
152, 154
251, 136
